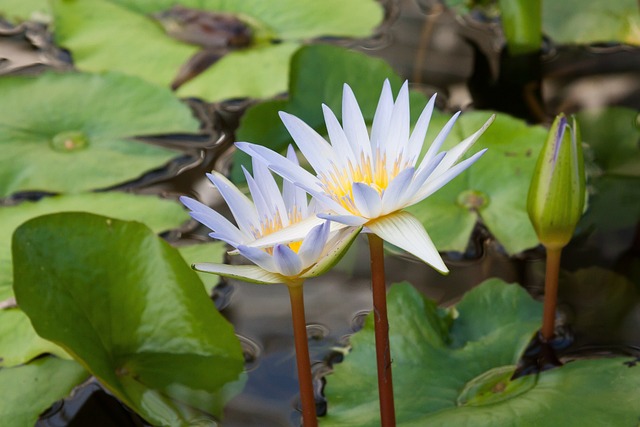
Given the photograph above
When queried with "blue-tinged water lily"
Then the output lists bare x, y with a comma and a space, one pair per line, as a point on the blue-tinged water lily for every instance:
269, 212
367, 179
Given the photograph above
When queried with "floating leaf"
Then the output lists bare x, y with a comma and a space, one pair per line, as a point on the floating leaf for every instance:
590, 21
317, 76
71, 132
212, 252
128, 308
612, 135
158, 214
121, 35
19, 343
460, 374
493, 190
29, 390
23, 10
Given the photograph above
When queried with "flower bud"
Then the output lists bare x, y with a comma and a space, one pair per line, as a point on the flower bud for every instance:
557, 192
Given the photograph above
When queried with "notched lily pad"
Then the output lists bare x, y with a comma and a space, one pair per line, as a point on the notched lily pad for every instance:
212, 252
450, 372
143, 39
27, 391
65, 133
125, 305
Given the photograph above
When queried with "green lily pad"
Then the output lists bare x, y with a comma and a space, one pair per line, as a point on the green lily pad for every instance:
29, 390
494, 190
19, 343
121, 35
612, 134
126, 306
318, 73
206, 252
457, 372
71, 132
23, 10
159, 214
589, 21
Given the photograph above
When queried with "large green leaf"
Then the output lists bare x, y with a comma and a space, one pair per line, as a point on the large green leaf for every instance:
318, 73
29, 390
22, 10
460, 374
207, 252
121, 35
71, 132
612, 134
589, 21
158, 214
494, 189
125, 305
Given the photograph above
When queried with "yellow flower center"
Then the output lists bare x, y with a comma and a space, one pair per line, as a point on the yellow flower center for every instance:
338, 182
271, 225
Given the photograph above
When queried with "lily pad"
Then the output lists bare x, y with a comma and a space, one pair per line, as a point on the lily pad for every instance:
494, 190
121, 35
126, 306
29, 390
71, 132
612, 134
158, 214
318, 73
450, 372
212, 252
590, 21
23, 10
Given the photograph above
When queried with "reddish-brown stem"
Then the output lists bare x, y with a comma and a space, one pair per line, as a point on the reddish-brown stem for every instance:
383, 349
550, 293
309, 418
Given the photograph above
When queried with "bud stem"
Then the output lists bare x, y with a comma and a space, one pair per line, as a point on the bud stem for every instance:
309, 418
381, 323
551, 293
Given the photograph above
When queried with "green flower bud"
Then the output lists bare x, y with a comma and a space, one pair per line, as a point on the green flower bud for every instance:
557, 192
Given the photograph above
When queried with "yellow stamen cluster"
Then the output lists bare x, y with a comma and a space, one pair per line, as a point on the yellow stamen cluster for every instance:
271, 225
338, 182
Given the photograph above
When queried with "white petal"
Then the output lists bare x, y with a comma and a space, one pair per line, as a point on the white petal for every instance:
293, 172
437, 182
268, 188
241, 207
313, 244
399, 127
353, 123
249, 273
315, 148
395, 194
458, 151
405, 231
287, 262
437, 142
338, 138
212, 219
350, 220
382, 117
295, 198
257, 256
416, 141
425, 172
337, 247
367, 200
292, 233
262, 208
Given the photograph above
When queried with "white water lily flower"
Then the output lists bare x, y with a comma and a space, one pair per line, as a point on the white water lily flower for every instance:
271, 211
366, 180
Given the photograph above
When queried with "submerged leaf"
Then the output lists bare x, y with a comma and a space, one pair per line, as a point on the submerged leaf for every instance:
454, 372
124, 304
72, 132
